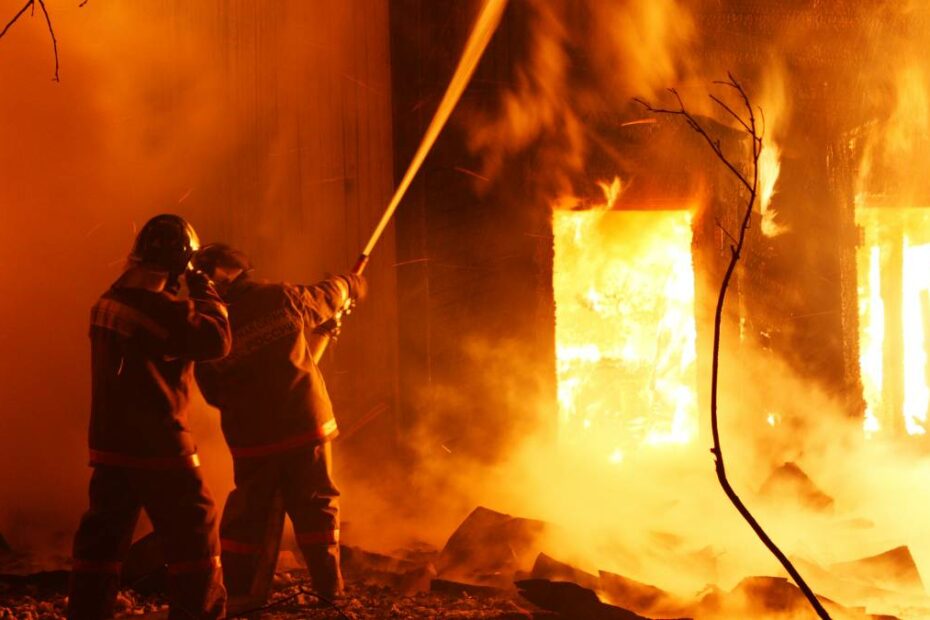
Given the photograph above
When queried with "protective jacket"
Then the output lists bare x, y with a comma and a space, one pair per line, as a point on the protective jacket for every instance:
143, 348
269, 390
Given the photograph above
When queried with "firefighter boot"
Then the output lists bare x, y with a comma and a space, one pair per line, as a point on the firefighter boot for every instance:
92, 596
323, 564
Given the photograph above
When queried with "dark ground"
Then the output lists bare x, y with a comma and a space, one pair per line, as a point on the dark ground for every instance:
46, 601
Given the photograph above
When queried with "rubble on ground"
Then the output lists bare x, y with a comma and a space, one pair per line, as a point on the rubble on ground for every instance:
790, 483
488, 548
495, 566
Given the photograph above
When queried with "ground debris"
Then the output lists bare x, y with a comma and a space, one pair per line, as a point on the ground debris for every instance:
371, 601
893, 570
489, 548
549, 568
481, 576
790, 482
768, 597
570, 601
640, 597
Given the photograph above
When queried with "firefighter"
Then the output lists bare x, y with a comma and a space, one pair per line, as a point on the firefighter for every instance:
278, 421
144, 341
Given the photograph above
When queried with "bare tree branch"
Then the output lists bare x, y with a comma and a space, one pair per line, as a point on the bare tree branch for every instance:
729, 110
31, 4
25, 8
693, 124
754, 133
724, 230
51, 32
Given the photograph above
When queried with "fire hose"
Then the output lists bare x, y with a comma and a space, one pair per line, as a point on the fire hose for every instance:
477, 42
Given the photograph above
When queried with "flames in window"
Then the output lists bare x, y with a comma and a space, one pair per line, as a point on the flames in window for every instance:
894, 318
625, 331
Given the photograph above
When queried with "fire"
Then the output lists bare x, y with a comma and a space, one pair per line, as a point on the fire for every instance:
625, 331
894, 318
776, 106
769, 169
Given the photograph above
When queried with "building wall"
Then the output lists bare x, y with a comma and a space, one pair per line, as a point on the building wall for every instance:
477, 365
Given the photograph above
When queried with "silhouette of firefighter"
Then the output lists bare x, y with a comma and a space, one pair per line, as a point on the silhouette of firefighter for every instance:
278, 421
144, 341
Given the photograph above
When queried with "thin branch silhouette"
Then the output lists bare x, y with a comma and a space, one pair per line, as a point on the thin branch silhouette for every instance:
16, 17
31, 4
755, 134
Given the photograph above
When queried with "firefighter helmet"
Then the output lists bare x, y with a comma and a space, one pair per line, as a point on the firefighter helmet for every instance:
166, 242
215, 255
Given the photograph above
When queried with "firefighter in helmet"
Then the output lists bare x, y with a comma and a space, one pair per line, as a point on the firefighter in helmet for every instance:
278, 421
144, 342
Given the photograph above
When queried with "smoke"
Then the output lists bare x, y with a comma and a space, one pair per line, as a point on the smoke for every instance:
243, 119
536, 106
85, 163
894, 95
658, 515
143, 122
566, 80
583, 62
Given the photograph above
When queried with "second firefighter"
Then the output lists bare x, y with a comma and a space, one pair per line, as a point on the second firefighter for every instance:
278, 420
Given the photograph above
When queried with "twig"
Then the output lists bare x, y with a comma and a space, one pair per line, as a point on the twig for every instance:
755, 134
31, 4
51, 32
16, 17
693, 124
724, 230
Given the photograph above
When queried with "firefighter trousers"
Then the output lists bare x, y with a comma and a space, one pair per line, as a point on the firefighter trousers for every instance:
297, 483
184, 517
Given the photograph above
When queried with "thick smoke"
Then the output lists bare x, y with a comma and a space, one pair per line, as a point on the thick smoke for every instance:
85, 163
614, 515
269, 129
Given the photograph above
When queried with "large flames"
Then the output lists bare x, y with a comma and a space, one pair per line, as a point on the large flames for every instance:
894, 318
625, 331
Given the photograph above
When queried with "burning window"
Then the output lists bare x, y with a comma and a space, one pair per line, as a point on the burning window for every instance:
625, 329
894, 317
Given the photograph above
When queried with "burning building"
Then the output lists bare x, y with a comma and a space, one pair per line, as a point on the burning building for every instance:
540, 335
610, 230
824, 180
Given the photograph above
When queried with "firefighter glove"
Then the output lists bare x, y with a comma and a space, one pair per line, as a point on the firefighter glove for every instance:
199, 284
358, 286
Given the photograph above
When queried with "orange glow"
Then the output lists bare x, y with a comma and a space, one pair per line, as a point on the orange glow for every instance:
894, 294
775, 103
769, 169
625, 331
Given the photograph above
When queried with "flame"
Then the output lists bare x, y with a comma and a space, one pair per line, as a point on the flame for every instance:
911, 115
611, 191
916, 320
895, 147
893, 275
774, 102
625, 331
871, 335
769, 169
